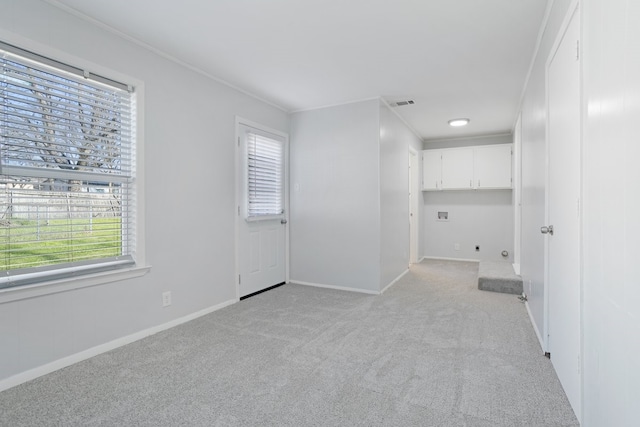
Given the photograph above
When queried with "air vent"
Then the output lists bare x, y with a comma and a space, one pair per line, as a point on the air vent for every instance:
402, 103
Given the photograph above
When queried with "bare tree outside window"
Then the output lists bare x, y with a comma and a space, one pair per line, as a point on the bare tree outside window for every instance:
65, 167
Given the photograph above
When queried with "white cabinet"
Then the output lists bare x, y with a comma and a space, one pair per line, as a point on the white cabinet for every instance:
492, 166
457, 169
468, 168
431, 170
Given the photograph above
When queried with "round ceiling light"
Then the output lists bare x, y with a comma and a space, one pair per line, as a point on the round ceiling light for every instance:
458, 122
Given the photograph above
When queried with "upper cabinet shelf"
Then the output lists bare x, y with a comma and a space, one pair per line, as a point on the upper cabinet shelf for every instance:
469, 168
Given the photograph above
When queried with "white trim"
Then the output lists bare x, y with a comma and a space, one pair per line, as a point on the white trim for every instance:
338, 288
158, 52
516, 268
242, 121
450, 259
535, 328
103, 348
70, 283
394, 281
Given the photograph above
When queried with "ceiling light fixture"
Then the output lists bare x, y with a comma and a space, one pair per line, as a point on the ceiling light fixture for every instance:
458, 122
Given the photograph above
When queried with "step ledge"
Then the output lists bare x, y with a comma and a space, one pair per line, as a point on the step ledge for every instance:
499, 277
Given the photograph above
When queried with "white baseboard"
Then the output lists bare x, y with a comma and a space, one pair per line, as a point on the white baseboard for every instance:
516, 268
450, 259
535, 327
339, 288
394, 281
34, 373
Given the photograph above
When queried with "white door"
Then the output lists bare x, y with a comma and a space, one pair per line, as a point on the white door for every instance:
262, 202
563, 213
413, 206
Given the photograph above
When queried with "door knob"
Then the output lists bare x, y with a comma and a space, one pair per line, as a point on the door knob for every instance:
283, 221
547, 229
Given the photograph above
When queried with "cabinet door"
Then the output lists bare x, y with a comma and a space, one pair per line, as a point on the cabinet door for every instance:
431, 170
492, 166
457, 169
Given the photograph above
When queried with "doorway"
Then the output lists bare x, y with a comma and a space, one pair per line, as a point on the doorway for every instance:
414, 177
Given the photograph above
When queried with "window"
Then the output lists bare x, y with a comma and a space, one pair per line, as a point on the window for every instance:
66, 170
265, 188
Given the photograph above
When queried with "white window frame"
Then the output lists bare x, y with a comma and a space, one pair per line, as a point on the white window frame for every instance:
56, 285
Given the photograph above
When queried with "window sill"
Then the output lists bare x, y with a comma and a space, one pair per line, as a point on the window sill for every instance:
69, 284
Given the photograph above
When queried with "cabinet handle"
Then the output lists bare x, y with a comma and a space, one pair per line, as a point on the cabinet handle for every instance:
478, 183
436, 184
471, 183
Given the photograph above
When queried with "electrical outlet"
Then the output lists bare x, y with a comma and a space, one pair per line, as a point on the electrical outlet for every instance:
456, 246
166, 299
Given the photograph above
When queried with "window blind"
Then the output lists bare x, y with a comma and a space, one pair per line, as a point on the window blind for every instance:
66, 172
265, 164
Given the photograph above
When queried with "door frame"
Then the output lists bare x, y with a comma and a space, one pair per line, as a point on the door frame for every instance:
414, 206
517, 196
239, 193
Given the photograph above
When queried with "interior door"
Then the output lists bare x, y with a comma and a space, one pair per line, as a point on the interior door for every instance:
563, 212
262, 202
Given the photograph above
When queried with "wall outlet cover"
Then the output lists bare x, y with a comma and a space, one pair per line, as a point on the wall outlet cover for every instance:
166, 299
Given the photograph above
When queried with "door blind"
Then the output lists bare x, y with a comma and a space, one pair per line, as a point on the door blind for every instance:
265, 189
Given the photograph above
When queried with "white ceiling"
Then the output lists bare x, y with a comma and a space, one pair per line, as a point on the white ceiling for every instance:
454, 58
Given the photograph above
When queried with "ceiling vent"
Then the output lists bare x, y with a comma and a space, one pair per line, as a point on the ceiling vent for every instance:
402, 103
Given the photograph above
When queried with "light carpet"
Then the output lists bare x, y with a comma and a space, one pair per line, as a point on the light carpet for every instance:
431, 351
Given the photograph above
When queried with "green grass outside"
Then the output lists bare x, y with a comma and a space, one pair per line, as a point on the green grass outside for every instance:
25, 244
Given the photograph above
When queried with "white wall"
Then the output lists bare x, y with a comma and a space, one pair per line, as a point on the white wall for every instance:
335, 196
611, 192
483, 218
349, 196
395, 140
533, 134
193, 258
